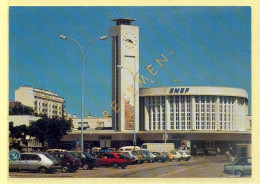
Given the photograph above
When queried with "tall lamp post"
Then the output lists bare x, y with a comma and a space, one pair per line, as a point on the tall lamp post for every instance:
82, 81
164, 88
134, 77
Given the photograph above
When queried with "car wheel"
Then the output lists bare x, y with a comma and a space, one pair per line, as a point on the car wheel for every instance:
115, 165
239, 173
123, 167
64, 169
85, 166
42, 170
91, 166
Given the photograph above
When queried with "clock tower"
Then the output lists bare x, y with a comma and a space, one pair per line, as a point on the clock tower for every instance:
125, 72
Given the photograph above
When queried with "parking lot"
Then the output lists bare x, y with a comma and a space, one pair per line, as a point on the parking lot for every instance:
208, 167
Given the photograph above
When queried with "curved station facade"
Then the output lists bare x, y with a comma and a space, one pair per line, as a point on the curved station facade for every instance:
193, 108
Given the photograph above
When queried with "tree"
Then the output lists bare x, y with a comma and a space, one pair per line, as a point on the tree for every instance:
21, 110
18, 131
50, 130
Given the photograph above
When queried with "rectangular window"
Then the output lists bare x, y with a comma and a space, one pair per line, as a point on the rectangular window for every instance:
208, 125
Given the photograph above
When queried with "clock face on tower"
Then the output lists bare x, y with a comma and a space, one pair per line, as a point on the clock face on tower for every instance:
129, 40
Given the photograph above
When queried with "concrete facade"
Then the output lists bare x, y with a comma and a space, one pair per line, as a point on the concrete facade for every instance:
125, 52
194, 108
41, 101
92, 123
22, 119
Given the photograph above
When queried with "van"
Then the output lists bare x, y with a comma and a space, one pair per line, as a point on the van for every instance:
129, 148
34, 162
158, 147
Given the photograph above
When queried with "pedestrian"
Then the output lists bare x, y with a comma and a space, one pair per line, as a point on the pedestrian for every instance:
231, 151
227, 154
218, 151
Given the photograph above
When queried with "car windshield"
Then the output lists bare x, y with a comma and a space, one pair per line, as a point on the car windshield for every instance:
243, 161
134, 153
77, 154
72, 156
88, 155
121, 156
143, 152
51, 156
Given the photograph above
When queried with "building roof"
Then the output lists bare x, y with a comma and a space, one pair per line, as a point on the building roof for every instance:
193, 90
127, 19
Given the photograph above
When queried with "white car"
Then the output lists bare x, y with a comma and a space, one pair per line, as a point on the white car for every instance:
177, 155
184, 155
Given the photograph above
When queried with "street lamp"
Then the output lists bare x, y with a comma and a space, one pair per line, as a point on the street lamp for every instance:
82, 81
153, 82
134, 77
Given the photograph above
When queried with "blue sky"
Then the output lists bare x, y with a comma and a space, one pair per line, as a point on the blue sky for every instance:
212, 47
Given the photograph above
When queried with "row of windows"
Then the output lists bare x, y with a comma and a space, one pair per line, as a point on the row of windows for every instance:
206, 109
205, 112
157, 113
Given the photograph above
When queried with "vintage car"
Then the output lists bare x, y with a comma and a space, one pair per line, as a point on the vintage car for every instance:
241, 167
39, 162
159, 157
112, 159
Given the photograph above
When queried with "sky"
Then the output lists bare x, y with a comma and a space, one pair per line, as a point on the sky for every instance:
210, 46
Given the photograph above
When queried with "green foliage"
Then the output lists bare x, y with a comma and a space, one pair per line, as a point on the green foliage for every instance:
50, 130
21, 110
18, 131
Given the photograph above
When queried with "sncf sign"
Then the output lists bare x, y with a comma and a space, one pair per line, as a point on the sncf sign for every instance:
179, 90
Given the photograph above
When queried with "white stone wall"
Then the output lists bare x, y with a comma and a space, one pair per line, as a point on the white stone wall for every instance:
92, 122
22, 119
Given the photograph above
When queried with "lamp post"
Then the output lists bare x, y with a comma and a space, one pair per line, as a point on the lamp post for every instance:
82, 81
134, 77
153, 82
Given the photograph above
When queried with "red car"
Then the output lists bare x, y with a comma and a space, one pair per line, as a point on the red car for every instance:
127, 156
112, 159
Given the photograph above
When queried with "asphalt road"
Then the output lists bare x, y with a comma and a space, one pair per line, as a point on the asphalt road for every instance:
196, 167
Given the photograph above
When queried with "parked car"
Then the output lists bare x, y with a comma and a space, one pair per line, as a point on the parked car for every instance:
34, 162
98, 149
200, 152
211, 152
53, 158
129, 148
169, 156
130, 160
55, 150
88, 162
159, 157
128, 155
184, 155
69, 163
112, 159
139, 158
241, 167
177, 155
148, 155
